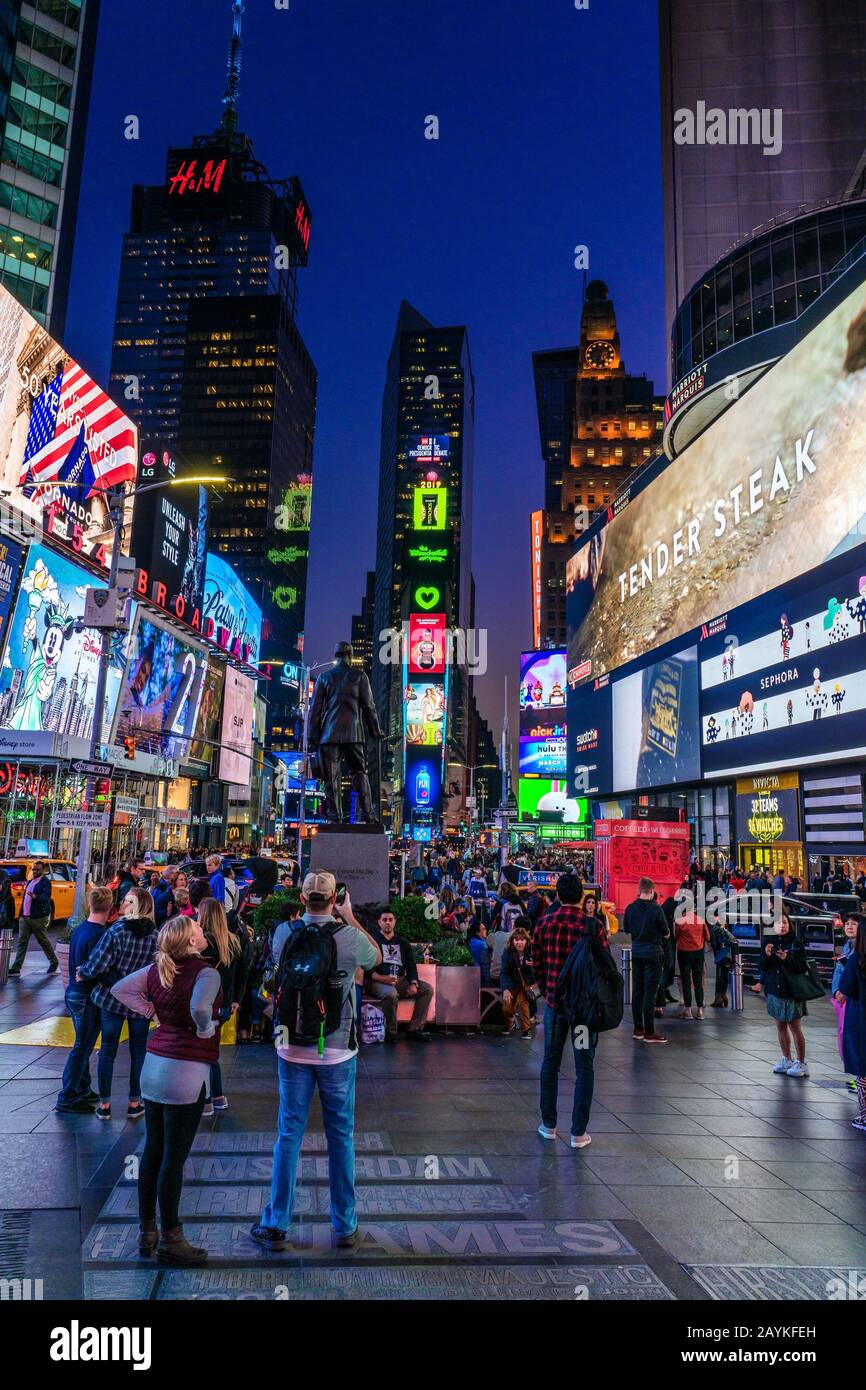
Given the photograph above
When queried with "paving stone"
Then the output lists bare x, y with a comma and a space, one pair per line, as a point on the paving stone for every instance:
394, 1199
779, 1284
445, 1240
497, 1283
223, 1141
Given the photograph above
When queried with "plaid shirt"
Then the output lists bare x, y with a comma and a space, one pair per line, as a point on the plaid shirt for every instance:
117, 953
554, 937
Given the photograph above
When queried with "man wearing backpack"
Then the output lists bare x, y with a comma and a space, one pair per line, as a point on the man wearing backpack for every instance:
316, 1037
555, 936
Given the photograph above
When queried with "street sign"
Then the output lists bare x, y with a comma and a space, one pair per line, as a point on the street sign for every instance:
93, 769
128, 805
82, 820
471, 803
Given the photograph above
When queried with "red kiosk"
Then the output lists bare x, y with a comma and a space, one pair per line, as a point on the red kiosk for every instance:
628, 850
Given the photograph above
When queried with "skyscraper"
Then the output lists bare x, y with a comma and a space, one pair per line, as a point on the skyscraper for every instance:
208, 357
424, 530
47, 52
363, 635
596, 425
804, 58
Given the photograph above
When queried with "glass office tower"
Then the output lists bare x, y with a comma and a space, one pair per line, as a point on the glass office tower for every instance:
46, 61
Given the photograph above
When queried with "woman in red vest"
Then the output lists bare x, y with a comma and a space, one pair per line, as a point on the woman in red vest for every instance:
182, 993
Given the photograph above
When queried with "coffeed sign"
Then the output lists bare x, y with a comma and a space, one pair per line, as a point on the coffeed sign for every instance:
767, 809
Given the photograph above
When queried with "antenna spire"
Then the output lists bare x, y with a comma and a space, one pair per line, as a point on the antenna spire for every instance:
233, 72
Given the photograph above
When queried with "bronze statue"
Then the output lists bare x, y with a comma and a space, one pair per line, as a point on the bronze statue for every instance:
341, 715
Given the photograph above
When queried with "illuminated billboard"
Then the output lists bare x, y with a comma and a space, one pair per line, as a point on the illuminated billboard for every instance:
161, 691
231, 618
429, 450
207, 727
717, 617
430, 508
424, 706
235, 763
542, 692
169, 539
427, 636
771, 490
49, 670
546, 799
536, 541
63, 441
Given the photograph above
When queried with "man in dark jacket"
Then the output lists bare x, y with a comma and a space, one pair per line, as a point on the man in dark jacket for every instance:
647, 926
35, 919
341, 715
396, 977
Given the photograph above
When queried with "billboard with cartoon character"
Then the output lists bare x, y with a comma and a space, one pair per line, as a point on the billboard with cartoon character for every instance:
48, 675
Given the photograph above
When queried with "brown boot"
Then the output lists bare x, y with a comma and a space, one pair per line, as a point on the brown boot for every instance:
174, 1250
148, 1236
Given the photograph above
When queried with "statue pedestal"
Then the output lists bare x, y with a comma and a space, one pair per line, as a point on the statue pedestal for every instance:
356, 855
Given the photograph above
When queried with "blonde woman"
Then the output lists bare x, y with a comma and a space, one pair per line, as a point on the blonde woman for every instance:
183, 993
126, 946
224, 953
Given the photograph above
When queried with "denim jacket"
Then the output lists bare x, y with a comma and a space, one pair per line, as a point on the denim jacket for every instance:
840, 965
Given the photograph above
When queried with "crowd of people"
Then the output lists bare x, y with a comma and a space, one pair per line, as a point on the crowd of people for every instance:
177, 948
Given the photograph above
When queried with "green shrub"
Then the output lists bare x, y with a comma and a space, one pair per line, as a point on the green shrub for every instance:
412, 923
274, 910
452, 953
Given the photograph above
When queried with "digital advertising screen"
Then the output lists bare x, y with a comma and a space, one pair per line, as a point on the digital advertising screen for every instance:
430, 508
669, 612
429, 450
771, 490
767, 809
543, 744
161, 691
231, 618
49, 670
547, 799
424, 713
169, 539
207, 727
10, 561
543, 679
783, 680
423, 780
235, 761
427, 635
63, 441
655, 724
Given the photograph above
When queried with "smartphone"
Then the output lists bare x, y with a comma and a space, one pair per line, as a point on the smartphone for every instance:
341, 894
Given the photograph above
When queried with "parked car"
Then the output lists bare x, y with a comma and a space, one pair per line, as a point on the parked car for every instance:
748, 916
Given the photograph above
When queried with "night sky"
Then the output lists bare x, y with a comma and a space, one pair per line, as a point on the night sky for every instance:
549, 137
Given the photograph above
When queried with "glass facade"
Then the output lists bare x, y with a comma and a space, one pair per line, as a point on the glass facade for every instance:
767, 282
46, 57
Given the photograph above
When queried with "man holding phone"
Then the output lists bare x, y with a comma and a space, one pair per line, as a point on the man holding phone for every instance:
397, 978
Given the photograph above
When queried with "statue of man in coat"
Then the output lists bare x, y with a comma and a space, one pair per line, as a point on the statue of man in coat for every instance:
342, 714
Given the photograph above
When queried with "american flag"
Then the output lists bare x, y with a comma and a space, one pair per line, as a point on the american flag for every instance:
77, 435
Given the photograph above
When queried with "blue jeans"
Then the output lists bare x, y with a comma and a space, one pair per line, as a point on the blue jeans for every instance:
85, 1017
111, 1027
337, 1095
556, 1032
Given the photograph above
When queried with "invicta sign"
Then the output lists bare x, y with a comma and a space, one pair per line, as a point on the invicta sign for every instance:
765, 821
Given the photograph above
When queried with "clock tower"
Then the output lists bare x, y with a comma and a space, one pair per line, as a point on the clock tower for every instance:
600, 355
597, 425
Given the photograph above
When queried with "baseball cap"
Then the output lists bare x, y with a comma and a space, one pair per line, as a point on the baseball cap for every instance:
320, 886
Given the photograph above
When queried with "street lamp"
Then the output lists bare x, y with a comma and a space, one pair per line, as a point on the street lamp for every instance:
116, 499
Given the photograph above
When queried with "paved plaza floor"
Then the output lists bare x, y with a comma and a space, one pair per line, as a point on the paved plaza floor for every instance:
708, 1177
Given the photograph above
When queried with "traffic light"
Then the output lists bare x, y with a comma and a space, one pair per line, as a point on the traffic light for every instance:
129, 747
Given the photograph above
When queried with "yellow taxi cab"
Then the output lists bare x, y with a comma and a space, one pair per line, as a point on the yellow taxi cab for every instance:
61, 872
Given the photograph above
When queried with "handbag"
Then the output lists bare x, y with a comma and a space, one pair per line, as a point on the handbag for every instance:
807, 985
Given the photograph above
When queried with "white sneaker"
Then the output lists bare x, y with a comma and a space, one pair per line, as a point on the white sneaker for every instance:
580, 1141
699, 1013
546, 1133
684, 1013
798, 1069
782, 1065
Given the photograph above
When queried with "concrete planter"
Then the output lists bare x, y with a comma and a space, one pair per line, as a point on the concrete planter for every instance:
61, 950
458, 995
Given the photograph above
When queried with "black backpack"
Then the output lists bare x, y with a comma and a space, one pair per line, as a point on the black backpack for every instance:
309, 994
589, 988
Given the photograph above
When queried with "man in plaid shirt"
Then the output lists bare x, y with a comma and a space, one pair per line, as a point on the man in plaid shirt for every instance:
554, 937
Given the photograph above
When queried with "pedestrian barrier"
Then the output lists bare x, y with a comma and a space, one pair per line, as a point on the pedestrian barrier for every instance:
736, 983
6, 941
625, 965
